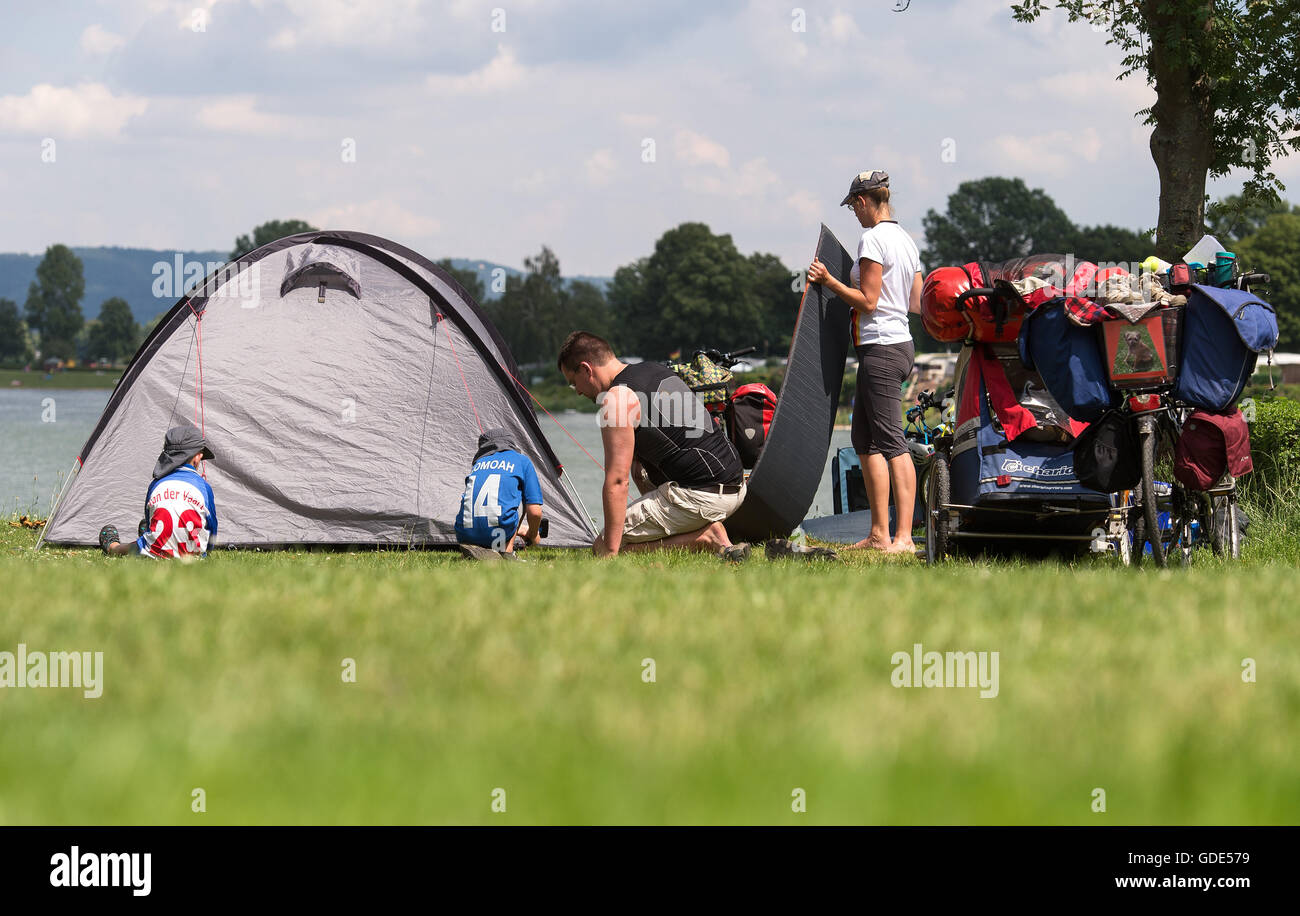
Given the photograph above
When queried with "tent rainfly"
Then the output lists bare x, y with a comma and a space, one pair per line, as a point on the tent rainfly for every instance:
342, 381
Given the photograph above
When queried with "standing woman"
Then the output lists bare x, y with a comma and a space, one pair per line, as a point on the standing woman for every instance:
886, 285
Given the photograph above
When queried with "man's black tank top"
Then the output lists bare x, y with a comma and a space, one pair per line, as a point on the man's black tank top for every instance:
677, 439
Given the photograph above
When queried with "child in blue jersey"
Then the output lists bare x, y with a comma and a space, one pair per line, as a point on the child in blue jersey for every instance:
180, 515
502, 499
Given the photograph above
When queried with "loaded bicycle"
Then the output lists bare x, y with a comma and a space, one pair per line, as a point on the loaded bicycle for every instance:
1174, 517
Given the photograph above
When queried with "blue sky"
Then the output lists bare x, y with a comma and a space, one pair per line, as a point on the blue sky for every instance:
489, 129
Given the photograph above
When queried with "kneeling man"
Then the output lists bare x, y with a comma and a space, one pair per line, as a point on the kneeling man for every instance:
656, 431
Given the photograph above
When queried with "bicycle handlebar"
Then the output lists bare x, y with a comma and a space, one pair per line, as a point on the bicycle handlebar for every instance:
725, 359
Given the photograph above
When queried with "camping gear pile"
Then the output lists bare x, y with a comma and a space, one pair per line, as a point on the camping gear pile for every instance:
1053, 350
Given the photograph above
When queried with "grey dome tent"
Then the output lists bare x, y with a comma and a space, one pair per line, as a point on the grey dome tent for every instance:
342, 381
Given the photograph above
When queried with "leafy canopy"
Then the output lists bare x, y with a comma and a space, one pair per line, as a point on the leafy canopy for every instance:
1245, 53
266, 233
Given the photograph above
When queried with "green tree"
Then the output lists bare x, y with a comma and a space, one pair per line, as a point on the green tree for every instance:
1227, 96
115, 334
466, 278
1235, 217
1275, 250
539, 309
778, 304
586, 307
1110, 243
994, 219
13, 333
627, 304
266, 233
696, 290
54, 301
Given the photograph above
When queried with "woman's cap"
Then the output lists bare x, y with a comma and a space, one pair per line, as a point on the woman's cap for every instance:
865, 181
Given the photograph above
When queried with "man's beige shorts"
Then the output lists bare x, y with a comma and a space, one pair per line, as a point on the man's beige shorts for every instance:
671, 509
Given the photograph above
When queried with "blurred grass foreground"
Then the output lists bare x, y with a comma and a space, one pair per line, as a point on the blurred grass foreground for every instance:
669, 689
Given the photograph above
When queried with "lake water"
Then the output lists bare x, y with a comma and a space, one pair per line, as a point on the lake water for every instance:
42, 431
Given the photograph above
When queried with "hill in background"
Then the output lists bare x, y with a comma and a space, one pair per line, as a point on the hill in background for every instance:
130, 273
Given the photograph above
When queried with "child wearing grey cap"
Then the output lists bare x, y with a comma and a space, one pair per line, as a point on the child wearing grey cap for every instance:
180, 516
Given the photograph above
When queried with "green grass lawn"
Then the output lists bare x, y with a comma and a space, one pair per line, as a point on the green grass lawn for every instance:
226, 675
72, 378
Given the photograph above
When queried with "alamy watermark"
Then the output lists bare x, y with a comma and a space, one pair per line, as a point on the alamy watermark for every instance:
102, 869
946, 669
207, 280
680, 408
53, 669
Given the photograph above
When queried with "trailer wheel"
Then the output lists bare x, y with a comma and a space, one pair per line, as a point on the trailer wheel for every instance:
936, 510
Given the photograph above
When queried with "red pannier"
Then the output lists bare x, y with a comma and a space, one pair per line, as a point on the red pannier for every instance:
749, 417
1210, 445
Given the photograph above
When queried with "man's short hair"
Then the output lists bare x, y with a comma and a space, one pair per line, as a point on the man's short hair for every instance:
584, 347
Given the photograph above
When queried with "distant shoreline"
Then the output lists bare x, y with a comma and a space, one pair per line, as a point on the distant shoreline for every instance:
67, 380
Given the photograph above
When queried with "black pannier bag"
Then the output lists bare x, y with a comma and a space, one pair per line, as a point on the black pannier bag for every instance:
1107, 456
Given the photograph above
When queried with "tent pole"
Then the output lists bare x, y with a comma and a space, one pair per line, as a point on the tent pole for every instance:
573, 491
76, 463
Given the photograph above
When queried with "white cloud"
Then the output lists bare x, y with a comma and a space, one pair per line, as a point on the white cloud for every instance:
806, 205
696, 149
381, 216
600, 168
533, 182
98, 41
753, 179
284, 40
239, 115
88, 109
638, 121
1055, 153
843, 29
500, 73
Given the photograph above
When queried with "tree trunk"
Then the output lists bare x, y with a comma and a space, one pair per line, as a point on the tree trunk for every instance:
1182, 143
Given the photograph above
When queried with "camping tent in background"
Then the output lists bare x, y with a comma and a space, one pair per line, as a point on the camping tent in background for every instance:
342, 381
785, 478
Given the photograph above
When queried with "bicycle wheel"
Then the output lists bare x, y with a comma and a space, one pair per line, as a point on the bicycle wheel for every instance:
1147, 434
936, 511
1225, 533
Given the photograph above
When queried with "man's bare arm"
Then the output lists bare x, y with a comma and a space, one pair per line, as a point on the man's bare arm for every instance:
619, 414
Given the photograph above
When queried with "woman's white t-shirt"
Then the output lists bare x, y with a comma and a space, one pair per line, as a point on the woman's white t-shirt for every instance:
892, 248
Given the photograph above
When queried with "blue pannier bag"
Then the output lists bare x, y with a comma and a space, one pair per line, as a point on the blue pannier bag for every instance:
1224, 332
1068, 358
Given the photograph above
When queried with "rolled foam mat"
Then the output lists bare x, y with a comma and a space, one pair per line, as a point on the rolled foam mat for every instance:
785, 478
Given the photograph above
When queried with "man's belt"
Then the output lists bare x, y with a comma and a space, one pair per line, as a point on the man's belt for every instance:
721, 489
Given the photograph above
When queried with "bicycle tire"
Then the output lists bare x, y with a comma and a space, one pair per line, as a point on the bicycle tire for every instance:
1225, 533
936, 517
1148, 434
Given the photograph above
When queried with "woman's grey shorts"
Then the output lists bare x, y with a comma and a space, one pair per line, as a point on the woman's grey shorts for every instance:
878, 405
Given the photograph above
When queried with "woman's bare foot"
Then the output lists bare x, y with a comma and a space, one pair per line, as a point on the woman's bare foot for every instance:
873, 542
901, 545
